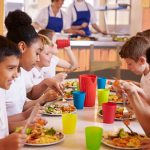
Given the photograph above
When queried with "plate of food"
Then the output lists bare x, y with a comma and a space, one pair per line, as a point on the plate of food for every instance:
116, 98
68, 94
71, 84
123, 140
120, 38
119, 115
57, 109
40, 135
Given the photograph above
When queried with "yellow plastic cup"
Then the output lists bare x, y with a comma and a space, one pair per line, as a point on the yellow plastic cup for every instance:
103, 95
69, 122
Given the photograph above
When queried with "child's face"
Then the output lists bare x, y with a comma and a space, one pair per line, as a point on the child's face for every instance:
31, 54
136, 67
8, 71
45, 57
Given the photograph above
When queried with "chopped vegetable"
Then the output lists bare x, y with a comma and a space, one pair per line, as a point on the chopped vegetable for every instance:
122, 133
28, 131
50, 131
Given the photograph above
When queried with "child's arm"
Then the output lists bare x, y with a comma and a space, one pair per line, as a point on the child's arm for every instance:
142, 111
49, 95
146, 144
39, 89
60, 77
140, 107
14, 141
14, 124
73, 61
21, 116
136, 83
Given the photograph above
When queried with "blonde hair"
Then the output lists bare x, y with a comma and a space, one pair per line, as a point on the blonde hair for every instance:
47, 32
45, 40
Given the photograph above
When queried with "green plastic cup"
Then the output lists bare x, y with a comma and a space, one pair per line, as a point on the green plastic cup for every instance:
69, 122
93, 136
103, 95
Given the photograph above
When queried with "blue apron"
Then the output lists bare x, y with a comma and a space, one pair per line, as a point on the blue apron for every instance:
55, 23
83, 16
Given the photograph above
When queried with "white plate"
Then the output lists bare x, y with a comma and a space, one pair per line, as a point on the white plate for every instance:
47, 144
58, 114
69, 99
104, 141
116, 102
119, 119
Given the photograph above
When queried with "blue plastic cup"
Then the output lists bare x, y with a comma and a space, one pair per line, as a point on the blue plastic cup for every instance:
79, 98
101, 83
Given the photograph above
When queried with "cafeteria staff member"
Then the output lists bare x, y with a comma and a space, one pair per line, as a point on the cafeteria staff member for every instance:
81, 14
52, 17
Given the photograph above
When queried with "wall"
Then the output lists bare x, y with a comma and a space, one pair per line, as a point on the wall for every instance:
1, 16
33, 9
136, 16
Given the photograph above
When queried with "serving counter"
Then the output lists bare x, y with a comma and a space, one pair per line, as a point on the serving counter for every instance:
95, 65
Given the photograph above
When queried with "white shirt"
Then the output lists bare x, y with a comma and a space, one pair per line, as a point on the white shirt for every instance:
145, 84
3, 115
16, 95
42, 18
50, 71
36, 76
80, 6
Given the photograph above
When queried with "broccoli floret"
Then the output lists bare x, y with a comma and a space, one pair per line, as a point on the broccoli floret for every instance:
122, 133
28, 131
50, 131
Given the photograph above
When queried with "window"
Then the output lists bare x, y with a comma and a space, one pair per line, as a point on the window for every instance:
68, 2
118, 20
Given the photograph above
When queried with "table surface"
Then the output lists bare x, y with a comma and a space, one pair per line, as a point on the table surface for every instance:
86, 117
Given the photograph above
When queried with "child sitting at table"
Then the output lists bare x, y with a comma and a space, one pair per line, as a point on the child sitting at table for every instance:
56, 61
37, 75
140, 105
9, 61
133, 52
21, 32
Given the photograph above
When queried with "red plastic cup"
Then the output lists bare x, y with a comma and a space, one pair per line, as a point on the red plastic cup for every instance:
62, 43
109, 110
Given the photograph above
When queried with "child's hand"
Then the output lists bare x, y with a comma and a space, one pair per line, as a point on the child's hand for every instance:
130, 88
54, 84
14, 141
146, 144
60, 77
50, 95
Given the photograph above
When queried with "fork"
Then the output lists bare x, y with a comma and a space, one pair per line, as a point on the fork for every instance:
132, 132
